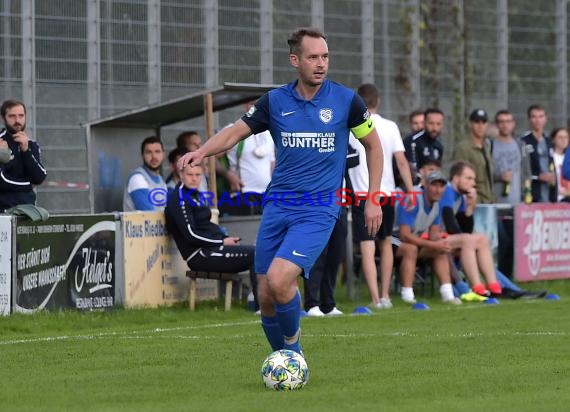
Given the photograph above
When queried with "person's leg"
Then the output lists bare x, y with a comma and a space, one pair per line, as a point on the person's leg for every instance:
485, 261
367, 251
282, 284
335, 255
269, 322
386, 252
468, 256
440, 265
505, 282
386, 266
307, 235
409, 257
313, 284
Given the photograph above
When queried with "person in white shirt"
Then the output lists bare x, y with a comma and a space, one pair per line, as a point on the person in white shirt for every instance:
253, 160
393, 148
560, 140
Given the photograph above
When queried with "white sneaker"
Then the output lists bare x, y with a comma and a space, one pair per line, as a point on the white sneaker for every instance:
385, 303
315, 311
411, 300
334, 312
454, 301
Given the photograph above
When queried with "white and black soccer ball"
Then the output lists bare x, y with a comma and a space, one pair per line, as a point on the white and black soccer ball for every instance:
285, 370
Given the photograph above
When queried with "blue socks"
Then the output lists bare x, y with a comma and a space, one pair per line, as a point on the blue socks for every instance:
289, 318
273, 332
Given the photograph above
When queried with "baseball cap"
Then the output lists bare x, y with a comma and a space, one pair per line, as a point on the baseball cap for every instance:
436, 176
478, 115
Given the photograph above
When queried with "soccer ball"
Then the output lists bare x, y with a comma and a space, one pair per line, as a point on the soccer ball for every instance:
285, 370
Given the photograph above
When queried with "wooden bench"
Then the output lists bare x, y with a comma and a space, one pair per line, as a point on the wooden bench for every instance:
229, 278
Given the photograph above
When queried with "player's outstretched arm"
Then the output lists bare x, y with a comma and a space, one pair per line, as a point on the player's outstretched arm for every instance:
218, 143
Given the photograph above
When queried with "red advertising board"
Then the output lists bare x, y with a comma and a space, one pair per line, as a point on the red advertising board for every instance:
542, 241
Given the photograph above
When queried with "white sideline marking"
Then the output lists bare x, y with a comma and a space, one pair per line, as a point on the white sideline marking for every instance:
124, 334
156, 334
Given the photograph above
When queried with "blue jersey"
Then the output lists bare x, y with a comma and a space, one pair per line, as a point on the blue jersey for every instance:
311, 141
420, 217
453, 199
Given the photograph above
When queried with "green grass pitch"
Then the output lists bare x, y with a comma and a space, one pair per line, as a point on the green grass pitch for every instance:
514, 356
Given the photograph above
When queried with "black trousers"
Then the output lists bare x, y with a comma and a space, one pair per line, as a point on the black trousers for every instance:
320, 287
228, 259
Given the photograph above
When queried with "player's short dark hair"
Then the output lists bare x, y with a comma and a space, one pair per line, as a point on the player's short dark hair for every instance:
295, 39
533, 107
369, 94
432, 110
458, 167
151, 140
8, 104
181, 138
176, 152
414, 114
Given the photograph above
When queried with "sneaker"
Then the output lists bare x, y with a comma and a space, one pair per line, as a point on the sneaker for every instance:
316, 312
258, 312
454, 301
509, 293
334, 312
385, 303
528, 294
473, 297
411, 300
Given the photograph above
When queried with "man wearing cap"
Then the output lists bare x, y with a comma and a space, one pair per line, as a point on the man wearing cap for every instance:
421, 237
476, 149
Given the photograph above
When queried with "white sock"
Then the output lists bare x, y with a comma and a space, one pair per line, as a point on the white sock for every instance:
446, 292
407, 293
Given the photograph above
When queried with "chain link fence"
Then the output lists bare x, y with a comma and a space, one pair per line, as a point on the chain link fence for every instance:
77, 60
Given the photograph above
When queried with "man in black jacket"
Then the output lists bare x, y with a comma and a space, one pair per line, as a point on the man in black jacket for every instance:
23, 169
203, 244
539, 149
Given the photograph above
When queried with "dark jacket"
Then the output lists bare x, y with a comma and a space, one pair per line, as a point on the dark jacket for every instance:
19, 176
420, 147
530, 146
189, 223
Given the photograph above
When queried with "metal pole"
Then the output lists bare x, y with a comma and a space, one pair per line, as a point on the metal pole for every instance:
561, 61
154, 58
266, 41
93, 59
502, 54
367, 17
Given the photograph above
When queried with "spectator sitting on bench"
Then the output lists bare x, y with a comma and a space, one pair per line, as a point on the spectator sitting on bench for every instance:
421, 237
203, 244
457, 208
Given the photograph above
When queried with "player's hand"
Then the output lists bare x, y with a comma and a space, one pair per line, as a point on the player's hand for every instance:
471, 197
22, 139
3, 144
191, 158
372, 217
442, 246
232, 240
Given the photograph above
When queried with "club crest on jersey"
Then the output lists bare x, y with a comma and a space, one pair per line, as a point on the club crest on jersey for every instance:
325, 115
251, 111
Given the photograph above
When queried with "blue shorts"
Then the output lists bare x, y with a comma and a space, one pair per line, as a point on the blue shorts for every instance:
298, 236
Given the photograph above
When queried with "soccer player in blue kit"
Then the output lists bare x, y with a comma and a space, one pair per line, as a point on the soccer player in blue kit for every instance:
309, 120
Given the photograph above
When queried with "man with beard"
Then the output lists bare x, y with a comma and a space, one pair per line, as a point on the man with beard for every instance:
20, 161
145, 183
425, 144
